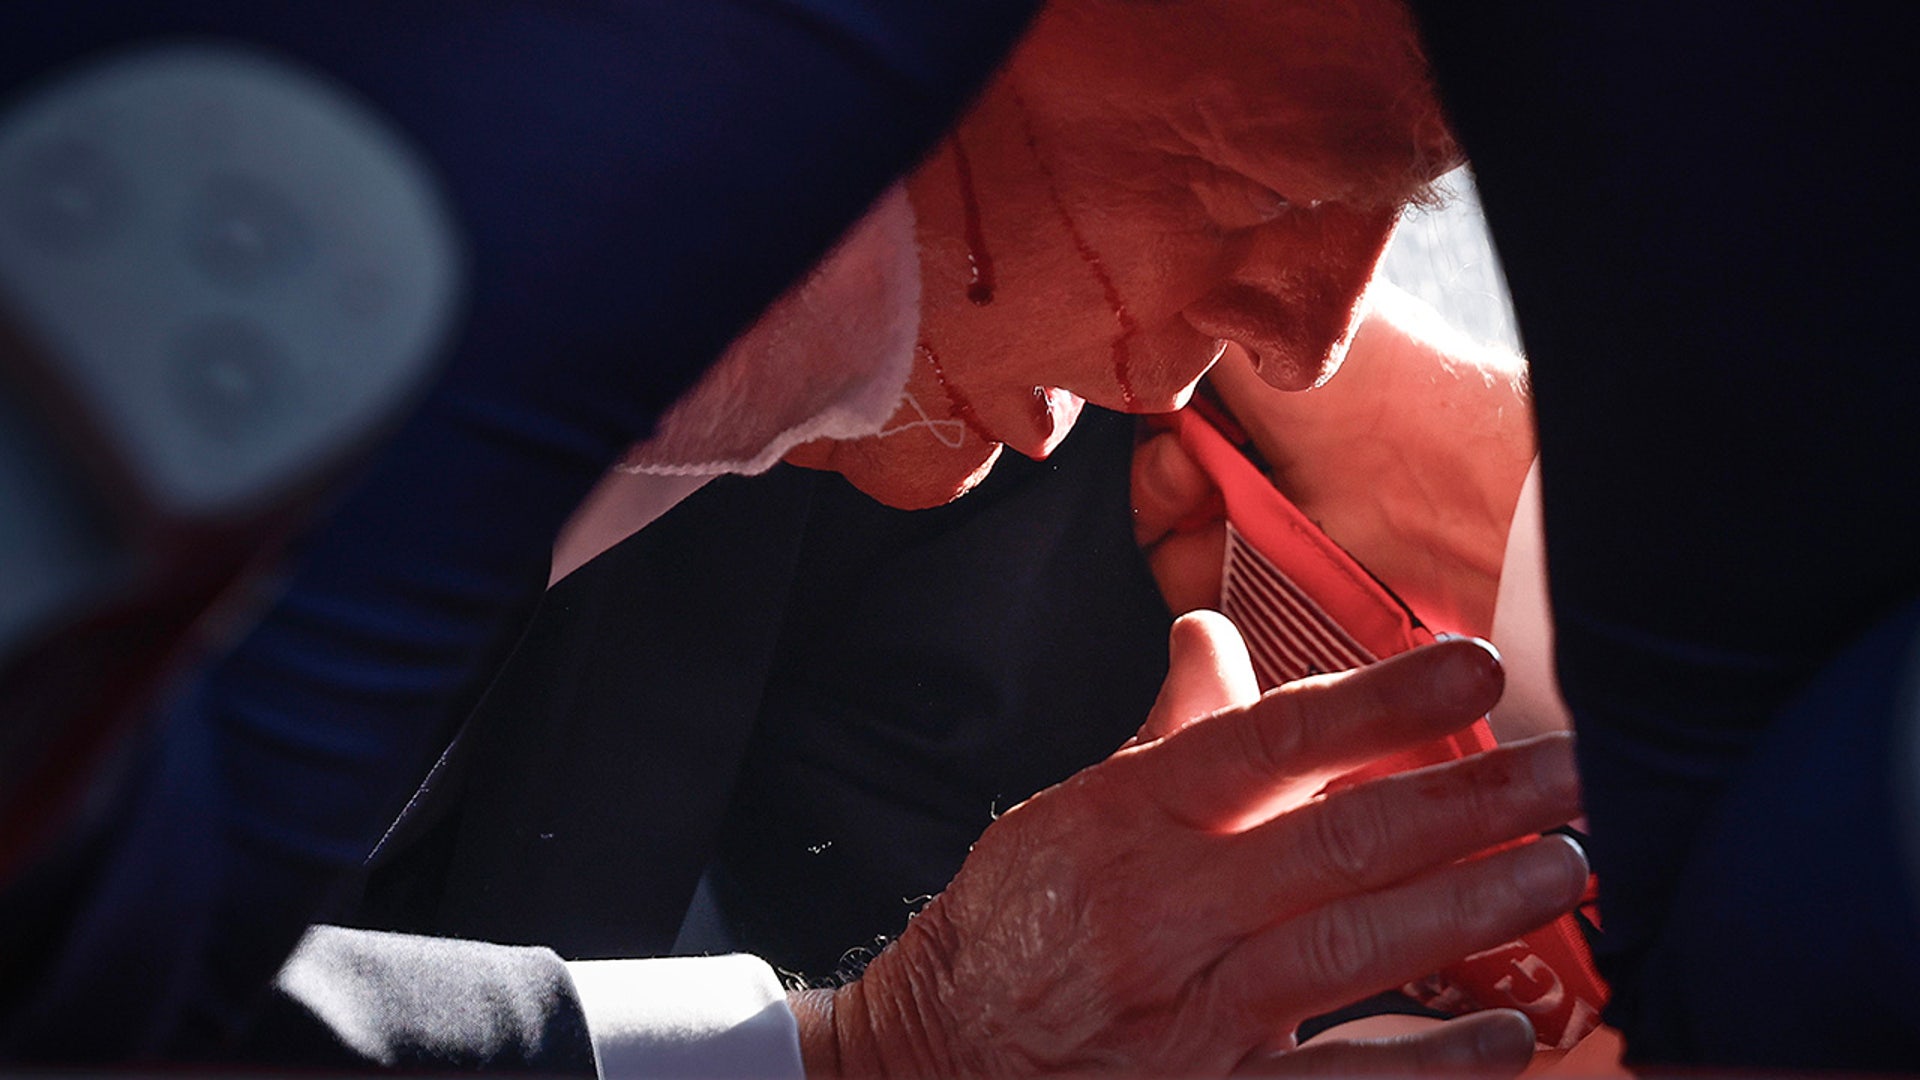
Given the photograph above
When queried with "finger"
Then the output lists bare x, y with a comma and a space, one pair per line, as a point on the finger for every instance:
1207, 670
1376, 834
1350, 949
1284, 747
1187, 566
1168, 487
1498, 1042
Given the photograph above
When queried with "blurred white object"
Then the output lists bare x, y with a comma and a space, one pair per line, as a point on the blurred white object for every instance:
1443, 255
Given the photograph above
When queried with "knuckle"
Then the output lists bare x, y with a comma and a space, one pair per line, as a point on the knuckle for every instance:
1275, 736
1256, 749
1481, 803
1350, 836
1340, 947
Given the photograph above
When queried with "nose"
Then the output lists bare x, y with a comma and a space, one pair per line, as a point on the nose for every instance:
1294, 300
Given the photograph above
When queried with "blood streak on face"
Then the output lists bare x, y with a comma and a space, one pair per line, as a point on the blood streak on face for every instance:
979, 260
957, 403
1128, 327
1140, 184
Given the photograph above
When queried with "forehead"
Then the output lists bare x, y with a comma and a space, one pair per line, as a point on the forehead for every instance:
1318, 100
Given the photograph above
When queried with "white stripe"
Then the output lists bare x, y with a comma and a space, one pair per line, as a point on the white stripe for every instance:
1288, 635
1295, 618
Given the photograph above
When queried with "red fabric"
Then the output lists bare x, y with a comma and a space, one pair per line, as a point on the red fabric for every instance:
1305, 605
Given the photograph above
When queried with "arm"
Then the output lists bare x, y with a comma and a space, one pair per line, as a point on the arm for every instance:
1727, 439
1308, 904
356, 1000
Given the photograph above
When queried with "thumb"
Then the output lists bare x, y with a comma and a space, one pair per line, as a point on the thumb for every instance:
1207, 670
1168, 489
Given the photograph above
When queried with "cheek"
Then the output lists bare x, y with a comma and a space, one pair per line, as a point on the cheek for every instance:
1136, 273
1115, 338
1083, 296
1167, 362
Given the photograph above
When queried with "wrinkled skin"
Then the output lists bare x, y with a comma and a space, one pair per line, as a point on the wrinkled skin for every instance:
1151, 179
1179, 908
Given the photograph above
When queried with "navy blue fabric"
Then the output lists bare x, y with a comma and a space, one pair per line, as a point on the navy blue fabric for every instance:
819, 701
635, 180
1706, 256
824, 699
1791, 939
935, 668
581, 799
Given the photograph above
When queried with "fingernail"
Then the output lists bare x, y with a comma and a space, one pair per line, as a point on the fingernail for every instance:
1448, 635
1470, 676
1553, 870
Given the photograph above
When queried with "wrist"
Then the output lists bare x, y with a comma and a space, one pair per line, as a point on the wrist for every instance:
889, 1022
813, 1016
843, 1034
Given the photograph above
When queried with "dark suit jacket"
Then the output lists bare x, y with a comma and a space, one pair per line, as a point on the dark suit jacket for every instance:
822, 700
1726, 405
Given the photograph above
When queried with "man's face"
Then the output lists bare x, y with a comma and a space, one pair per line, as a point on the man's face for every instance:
1144, 181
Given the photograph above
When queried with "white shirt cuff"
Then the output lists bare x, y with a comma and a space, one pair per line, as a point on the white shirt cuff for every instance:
689, 1016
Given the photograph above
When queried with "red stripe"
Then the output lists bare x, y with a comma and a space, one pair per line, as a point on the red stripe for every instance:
1292, 618
1259, 570
1279, 609
1288, 635
1291, 655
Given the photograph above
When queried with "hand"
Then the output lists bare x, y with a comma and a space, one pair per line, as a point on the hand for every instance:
1180, 907
1179, 524
1411, 457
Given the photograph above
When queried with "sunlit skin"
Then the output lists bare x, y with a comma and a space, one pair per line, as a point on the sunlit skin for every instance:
1433, 432
1148, 180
